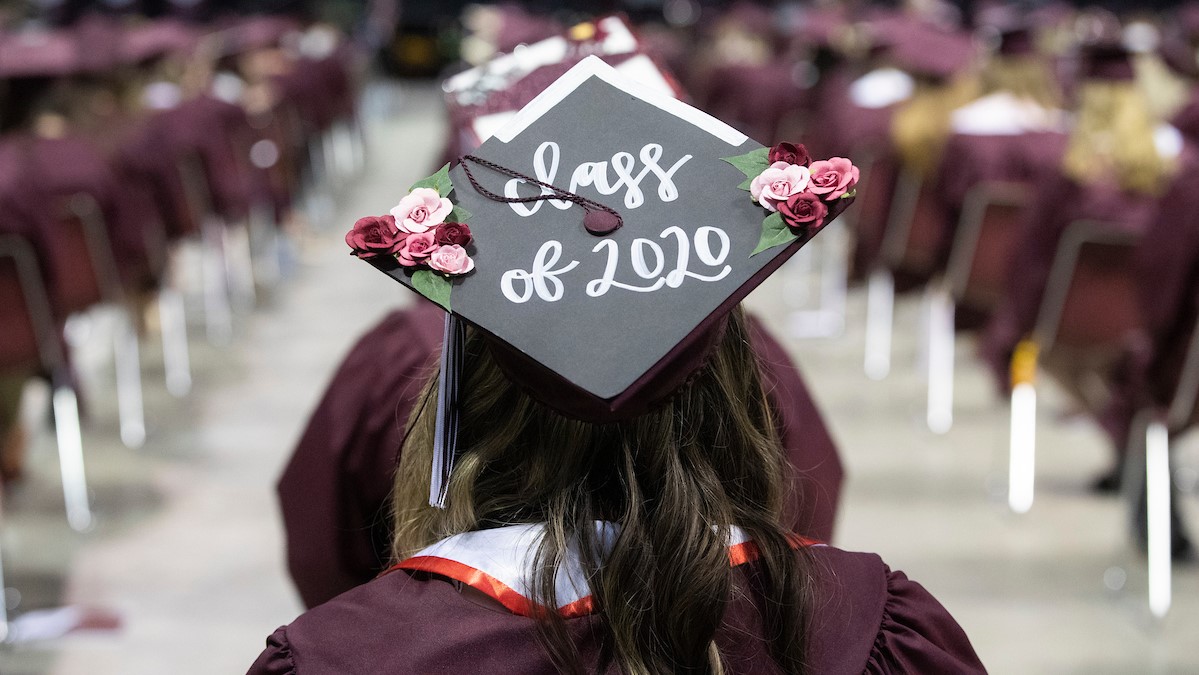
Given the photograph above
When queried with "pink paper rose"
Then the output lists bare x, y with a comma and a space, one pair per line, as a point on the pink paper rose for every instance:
417, 248
374, 235
420, 210
803, 209
777, 183
833, 178
451, 259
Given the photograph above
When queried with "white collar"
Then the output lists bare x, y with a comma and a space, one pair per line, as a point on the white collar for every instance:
497, 562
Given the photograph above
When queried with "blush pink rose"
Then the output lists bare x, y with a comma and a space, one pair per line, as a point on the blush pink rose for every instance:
833, 177
777, 183
451, 259
417, 248
421, 210
374, 235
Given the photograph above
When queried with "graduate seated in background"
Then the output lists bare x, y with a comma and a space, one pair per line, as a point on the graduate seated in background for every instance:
334, 492
592, 480
1016, 92
1119, 162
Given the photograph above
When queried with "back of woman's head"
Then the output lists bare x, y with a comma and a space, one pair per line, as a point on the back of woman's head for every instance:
674, 481
1025, 76
1113, 139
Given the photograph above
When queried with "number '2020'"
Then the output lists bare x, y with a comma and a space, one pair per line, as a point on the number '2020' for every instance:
647, 259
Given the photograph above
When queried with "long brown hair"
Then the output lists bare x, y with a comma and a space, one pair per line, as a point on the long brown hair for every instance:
674, 480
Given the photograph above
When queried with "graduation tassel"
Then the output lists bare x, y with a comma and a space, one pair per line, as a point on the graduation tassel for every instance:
445, 436
599, 219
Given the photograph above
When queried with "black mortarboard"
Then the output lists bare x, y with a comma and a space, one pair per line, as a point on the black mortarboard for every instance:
605, 326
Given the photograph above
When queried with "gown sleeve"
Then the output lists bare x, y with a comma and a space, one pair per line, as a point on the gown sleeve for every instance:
276, 659
918, 635
335, 487
817, 470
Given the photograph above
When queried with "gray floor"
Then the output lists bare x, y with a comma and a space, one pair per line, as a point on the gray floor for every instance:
187, 550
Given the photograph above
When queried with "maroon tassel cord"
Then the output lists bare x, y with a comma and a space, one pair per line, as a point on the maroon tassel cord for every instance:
600, 220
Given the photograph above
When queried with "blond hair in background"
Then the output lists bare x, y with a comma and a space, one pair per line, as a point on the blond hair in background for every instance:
1026, 76
1165, 91
921, 126
1113, 139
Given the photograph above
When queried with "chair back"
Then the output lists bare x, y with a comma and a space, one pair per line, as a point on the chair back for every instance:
912, 242
868, 217
1090, 300
28, 338
89, 273
197, 192
984, 242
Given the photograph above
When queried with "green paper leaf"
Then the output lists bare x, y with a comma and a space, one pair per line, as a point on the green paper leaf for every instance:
433, 286
745, 183
851, 194
774, 233
751, 163
459, 215
439, 181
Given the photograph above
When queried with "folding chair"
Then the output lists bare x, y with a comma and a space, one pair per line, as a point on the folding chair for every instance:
1089, 303
983, 243
30, 339
869, 219
81, 228
1154, 425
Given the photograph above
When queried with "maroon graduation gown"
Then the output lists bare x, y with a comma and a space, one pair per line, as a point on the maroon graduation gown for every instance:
218, 135
334, 491
24, 217
148, 152
865, 619
1167, 267
969, 160
754, 98
1168, 285
1058, 203
335, 487
58, 168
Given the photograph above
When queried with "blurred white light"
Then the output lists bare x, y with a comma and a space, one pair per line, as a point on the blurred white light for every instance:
264, 154
680, 12
1141, 37
1115, 578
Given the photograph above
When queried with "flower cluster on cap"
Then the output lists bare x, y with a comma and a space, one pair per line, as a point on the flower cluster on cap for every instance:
796, 191
416, 232
800, 189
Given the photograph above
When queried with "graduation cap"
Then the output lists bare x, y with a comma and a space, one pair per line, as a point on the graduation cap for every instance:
600, 240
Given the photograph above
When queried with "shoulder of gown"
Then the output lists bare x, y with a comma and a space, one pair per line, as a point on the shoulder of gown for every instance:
276, 659
866, 619
341, 470
870, 619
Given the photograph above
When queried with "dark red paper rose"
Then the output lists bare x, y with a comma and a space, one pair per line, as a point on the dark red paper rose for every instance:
802, 210
375, 235
791, 154
453, 233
